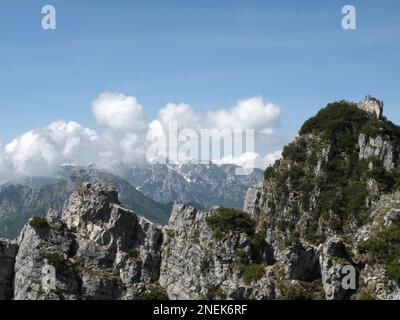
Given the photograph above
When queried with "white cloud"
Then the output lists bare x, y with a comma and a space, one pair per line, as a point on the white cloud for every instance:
183, 114
119, 112
270, 158
6, 169
251, 113
40, 152
251, 160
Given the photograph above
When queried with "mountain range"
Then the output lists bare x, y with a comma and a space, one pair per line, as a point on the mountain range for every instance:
149, 190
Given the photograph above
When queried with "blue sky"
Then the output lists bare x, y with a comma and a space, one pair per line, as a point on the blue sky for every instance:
206, 53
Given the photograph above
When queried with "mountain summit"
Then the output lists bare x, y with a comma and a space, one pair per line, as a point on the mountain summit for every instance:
373, 106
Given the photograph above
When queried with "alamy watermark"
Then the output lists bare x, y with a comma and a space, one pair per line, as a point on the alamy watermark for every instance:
349, 280
349, 21
48, 277
49, 20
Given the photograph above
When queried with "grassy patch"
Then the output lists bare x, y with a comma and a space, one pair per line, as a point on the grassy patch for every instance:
384, 248
81, 190
253, 273
133, 254
226, 220
213, 292
62, 266
294, 292
155, 293
38, 222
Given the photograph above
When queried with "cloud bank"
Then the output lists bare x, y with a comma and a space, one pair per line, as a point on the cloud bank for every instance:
126, 135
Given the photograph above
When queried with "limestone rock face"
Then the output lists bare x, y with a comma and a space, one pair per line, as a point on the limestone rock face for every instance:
373, 106
332, 261
8, 252
193, 264
393, 216
197, 265
252, 201
378, 147
99, 250
36, 245
302, 262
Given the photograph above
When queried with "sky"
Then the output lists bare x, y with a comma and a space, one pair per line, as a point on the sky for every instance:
209, 55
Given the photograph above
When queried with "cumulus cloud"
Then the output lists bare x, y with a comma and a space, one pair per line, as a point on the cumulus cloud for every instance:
40, 152
251, 113
250, 160
6, 169
119, 112
128, 134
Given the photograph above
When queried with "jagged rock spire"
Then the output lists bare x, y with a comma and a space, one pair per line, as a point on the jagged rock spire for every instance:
372, 105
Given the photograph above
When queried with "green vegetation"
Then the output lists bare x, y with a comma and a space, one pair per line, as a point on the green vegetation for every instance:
364, 294
133, 254
155, 293
226, 220
291, 239
296, 152
342, 188
204, 265
258, 241
38, 222
381, 127
337, 117
241, 257
57, 260
268, 173
171, 233
384, 248
81, 190
301, 290
213, 292
253, 273
296, 293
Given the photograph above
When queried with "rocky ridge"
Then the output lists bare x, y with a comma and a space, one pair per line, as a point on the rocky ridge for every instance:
330, 204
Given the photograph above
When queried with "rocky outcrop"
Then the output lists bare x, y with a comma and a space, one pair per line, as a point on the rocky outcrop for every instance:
333, 259
301, 262
194, 264
8, 252
18, 202
99, 250
377, 147
253, 199
372, 105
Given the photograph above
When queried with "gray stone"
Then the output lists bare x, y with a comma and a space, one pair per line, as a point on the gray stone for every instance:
332, 262
373, 106
393, 216
252, 202
377, 147
8, 252
101, 250
302, 262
